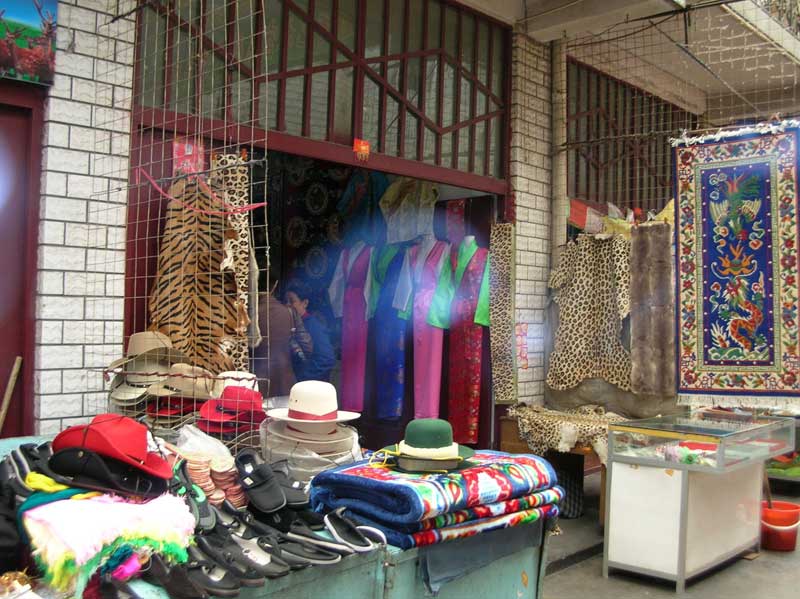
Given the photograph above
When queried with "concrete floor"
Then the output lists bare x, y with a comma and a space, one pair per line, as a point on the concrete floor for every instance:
772, 575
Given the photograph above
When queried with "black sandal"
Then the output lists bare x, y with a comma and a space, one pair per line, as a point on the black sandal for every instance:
259, 482
222, 548
175, 580
296, 554
211, 577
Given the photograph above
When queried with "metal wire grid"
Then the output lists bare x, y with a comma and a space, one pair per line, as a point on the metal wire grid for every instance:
197, 61
632, 86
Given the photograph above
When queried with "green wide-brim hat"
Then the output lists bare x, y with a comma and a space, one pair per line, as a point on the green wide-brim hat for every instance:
429, 439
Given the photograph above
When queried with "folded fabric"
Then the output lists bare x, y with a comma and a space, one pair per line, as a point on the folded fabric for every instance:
72, 539
459, 531
387, 495
553, 495
479, 512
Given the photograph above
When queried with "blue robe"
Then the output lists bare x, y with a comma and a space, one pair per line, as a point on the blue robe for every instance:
390, 335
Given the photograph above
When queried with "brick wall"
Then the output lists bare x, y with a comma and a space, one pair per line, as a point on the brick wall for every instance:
531, 175
82, 213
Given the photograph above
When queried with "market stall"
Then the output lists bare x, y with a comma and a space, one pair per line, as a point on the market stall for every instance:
108, 507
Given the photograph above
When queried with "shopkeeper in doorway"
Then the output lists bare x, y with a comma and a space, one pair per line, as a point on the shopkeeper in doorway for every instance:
318, 365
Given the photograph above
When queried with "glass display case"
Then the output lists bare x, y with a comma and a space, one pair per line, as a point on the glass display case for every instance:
684, 491
702, 441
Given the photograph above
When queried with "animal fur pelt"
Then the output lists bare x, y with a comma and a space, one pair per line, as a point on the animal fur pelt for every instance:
192, 301
652, 311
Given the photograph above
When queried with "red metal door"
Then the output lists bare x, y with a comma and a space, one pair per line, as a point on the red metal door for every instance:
16, 129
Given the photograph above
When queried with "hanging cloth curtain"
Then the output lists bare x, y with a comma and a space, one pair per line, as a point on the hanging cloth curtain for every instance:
192, 301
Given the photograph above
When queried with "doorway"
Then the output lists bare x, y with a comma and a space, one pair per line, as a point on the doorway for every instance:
320, 212
20, 159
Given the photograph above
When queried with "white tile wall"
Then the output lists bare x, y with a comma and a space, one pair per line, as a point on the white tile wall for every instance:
531, 176
87, 126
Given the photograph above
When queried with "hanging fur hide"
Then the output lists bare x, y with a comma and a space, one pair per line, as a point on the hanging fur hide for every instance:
652, 311
192, 301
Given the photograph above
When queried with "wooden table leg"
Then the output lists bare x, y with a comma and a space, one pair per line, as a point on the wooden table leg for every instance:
602, 495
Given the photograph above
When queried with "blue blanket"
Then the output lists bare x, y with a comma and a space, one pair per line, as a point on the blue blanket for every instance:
384, 494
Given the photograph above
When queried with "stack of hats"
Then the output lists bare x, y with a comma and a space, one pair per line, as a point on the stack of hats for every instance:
147, 362
314, 422
238, 409
217, 478
174, 401
113, 454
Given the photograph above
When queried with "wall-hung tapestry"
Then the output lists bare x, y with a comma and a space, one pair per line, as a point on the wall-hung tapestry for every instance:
28, 39
737, 227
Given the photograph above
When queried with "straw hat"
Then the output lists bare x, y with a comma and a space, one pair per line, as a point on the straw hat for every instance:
340, 440
313, 408
151, 345
187, 381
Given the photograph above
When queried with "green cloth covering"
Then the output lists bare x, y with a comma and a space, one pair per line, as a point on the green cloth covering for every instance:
482, 311
380, 266
449, 281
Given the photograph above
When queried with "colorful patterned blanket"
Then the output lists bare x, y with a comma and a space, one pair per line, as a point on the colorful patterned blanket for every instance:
406, 540
550, 496
387, 495
737, 261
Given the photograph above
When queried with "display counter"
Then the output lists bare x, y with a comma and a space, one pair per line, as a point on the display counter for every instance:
684, 492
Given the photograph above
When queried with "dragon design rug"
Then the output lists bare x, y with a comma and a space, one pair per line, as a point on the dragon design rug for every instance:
737, 279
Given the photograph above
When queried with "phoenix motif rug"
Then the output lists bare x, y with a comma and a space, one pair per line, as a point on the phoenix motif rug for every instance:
737, 279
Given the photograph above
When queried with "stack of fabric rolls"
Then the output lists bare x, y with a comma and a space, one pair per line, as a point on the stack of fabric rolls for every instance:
427, 489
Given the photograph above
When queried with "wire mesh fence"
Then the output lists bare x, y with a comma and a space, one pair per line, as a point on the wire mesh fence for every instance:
632, 85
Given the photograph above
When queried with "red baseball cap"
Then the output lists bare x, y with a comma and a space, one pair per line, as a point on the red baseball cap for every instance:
117, 437
234, 402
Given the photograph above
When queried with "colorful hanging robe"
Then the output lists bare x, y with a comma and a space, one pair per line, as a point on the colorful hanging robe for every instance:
461, 304
390, 333
421, 270
349, 292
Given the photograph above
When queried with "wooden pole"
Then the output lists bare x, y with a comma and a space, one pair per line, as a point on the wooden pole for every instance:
12, 382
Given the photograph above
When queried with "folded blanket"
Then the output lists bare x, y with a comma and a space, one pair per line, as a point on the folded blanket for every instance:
387, 495
549, 496
458, 531
70, 539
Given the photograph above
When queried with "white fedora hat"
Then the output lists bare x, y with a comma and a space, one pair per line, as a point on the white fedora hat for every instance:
152, 344
341, 440
313, 408
237, 378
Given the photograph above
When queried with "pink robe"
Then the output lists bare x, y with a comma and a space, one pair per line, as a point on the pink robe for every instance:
426, 262
348, 293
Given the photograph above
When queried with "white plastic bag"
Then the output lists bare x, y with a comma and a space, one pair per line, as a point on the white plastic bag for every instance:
193, 441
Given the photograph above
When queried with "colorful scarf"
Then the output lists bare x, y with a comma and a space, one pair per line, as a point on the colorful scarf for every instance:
70, 540
385, 494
